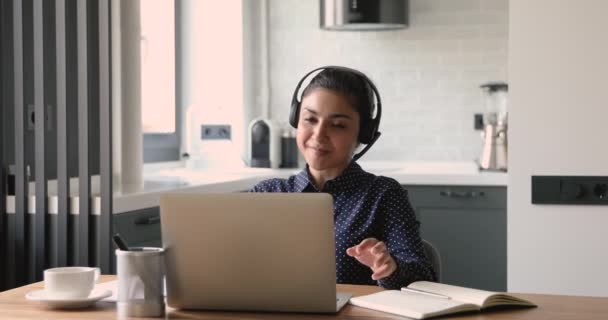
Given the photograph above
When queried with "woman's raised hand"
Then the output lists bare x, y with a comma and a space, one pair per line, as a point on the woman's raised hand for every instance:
374, 254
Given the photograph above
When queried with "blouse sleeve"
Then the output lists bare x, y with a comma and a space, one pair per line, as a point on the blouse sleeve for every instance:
400, 230
270, 185
260, 187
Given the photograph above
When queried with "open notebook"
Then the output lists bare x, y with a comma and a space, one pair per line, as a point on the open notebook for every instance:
423, 299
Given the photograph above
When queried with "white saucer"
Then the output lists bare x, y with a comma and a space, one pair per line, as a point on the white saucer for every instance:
72, 303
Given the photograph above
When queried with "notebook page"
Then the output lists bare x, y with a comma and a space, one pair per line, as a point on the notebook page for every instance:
408, 304
468, 295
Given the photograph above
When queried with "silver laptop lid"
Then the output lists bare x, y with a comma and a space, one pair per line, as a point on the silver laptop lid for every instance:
249, 251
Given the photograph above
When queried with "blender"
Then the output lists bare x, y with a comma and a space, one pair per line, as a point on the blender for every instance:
494, 152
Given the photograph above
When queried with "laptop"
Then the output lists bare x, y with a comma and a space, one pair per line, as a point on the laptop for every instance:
250, 252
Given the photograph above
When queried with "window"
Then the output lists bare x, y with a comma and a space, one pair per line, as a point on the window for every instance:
160, 104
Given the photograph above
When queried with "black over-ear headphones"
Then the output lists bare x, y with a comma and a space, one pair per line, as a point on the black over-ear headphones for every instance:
368, 132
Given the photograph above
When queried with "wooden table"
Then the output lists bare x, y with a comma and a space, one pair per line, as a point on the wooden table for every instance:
13, 305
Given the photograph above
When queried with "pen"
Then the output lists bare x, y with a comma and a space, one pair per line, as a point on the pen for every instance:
425, 292
120, 244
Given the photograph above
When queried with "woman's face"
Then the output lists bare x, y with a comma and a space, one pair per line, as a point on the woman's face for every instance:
328, 128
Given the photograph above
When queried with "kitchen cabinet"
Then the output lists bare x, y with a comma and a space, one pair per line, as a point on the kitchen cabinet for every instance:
139, 228
468, 225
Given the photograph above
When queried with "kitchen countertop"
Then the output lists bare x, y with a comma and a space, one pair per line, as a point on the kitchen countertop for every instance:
242, 179
129, 198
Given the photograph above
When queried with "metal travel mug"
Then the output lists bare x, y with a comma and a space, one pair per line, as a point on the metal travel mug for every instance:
140, 273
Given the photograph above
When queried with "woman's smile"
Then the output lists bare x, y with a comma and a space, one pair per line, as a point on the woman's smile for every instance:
319, 151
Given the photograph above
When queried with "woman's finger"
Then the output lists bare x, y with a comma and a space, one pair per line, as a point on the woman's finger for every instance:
352, 251
381, 260
366, 244
384, 271
379, 248
381, 272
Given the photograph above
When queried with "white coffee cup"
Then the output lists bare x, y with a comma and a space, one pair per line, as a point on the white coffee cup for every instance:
70, 282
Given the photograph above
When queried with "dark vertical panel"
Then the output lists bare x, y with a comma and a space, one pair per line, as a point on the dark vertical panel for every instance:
71, 34
71, 31
8, 126
73, 234
21, 189
63, 182
3, 162
50, 104
40, 137
84, 181
29, 140
3, 194
93, 116
105, 124
8, 137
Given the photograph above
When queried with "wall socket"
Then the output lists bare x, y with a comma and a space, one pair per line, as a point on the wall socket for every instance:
216, 132
478, 121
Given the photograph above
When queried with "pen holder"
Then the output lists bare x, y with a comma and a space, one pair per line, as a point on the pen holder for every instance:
140, 274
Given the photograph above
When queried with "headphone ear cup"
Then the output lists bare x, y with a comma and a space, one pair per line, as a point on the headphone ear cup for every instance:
367, 132
294, 114
364, 132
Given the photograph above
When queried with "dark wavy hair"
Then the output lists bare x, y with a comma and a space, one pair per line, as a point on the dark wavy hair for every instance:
356, 90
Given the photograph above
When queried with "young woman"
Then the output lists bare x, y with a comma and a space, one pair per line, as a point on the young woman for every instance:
377, 234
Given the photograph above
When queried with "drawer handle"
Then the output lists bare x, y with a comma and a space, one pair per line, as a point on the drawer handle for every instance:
147, 221
461, 194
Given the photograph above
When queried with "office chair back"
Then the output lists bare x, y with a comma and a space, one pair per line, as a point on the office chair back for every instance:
433, 255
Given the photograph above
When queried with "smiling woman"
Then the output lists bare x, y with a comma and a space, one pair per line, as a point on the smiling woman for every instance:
377, 234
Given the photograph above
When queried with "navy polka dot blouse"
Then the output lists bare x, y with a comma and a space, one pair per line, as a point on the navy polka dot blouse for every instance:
365, 206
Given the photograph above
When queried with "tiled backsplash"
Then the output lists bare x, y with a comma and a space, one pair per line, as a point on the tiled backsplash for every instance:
428, 74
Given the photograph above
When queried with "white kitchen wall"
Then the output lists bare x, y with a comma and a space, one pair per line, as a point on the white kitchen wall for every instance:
428, 74
558, 115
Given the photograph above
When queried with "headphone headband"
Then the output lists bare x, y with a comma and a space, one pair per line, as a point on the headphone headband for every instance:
368, 134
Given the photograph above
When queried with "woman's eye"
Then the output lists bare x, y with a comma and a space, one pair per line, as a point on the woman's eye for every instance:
339, 125
309, 120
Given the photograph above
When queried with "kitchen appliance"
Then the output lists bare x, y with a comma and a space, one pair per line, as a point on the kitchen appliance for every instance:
289, 149
494, 152
264, 143
364, 14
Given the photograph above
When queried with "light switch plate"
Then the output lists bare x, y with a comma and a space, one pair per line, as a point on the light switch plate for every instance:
571, 190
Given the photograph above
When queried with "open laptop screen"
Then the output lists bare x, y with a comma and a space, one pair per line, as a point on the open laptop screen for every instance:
249, 251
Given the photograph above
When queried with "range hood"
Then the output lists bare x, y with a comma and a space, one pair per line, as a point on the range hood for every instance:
347, 15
